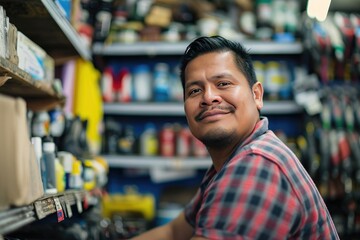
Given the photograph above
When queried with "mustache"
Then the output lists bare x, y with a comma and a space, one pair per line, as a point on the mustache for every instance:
200, 115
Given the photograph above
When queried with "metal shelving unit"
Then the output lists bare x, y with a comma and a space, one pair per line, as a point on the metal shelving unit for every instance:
177, 48
73, 37
132, 161
14, 218
43, 23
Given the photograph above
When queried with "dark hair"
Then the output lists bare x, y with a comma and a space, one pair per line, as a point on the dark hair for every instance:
204, 45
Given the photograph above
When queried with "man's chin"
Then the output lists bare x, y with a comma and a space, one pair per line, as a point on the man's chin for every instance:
217, 138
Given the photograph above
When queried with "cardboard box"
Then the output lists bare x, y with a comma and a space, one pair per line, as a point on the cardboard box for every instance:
34, 60
2, 32
20, 178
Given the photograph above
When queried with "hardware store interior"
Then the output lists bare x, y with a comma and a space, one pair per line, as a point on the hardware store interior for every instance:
94, 139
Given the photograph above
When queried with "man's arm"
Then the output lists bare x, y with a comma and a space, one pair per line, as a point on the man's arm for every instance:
178, 229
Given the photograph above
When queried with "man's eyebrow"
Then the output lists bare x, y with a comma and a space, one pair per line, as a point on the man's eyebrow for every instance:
191, 83
212, 78
221, 75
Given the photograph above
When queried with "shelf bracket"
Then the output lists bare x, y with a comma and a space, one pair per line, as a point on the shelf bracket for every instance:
3, 79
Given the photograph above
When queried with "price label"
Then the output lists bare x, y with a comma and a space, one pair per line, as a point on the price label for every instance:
78, 202
59, 210
68, 208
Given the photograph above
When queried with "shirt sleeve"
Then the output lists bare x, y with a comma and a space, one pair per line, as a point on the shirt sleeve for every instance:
248, 199
192, 208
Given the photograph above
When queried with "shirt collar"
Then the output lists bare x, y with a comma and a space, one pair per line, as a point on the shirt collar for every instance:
260, 128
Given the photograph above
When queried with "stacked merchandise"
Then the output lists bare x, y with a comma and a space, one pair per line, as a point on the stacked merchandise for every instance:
330, 95
51, 131
173, 21
19, 52
18, 49
63, 154
45, 157
167, 140
141, 83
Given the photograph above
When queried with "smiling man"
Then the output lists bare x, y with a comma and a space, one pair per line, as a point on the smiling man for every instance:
256, 188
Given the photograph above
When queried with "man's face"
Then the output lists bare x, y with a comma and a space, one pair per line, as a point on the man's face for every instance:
220, 107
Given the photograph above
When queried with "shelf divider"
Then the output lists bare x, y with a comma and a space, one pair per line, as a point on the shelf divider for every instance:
177, 109
178, 48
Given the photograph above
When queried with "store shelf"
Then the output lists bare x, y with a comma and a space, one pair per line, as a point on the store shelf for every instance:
37, 94
148, 109
45, 24
15, 218
121, 161
177, 109
167, 48
281, 107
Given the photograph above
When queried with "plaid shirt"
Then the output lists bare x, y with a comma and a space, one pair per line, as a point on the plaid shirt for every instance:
261, 192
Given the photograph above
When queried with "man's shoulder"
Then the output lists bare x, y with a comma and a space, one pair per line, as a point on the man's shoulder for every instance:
267, 145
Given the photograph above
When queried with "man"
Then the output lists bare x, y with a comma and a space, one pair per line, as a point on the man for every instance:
256, 188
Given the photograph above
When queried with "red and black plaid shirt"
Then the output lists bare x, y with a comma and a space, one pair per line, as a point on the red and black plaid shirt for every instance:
261, 192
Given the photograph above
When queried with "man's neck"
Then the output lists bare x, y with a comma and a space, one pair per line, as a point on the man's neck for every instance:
220, 155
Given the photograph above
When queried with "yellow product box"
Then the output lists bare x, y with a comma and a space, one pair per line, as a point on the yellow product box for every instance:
130, 202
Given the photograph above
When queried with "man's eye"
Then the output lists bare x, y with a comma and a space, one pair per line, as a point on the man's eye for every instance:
194, 91
222, 84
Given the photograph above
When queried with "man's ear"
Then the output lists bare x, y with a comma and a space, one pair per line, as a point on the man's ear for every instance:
258, 92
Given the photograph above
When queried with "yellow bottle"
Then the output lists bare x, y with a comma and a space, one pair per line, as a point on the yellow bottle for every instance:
60, 176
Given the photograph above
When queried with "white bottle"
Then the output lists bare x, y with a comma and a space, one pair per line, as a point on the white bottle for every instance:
142, 83
37, 143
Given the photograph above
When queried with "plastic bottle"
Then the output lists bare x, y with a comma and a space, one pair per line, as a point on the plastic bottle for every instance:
183, 141
142, 83
60, 176
37, 143
49, 159
103, 20
259, 68
148, 141
273, 80
89, 177
57, 122
127, 141
176, 89
167, 141
76, 181
40, 124
107, 80
161, 82
66, 160
125, 82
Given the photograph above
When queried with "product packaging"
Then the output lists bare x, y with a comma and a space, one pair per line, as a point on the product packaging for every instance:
20, 179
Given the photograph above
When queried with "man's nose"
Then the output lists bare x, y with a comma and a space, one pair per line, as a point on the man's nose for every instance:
210, 96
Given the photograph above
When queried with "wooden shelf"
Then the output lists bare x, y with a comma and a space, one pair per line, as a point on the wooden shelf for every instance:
43, 23
17, 83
